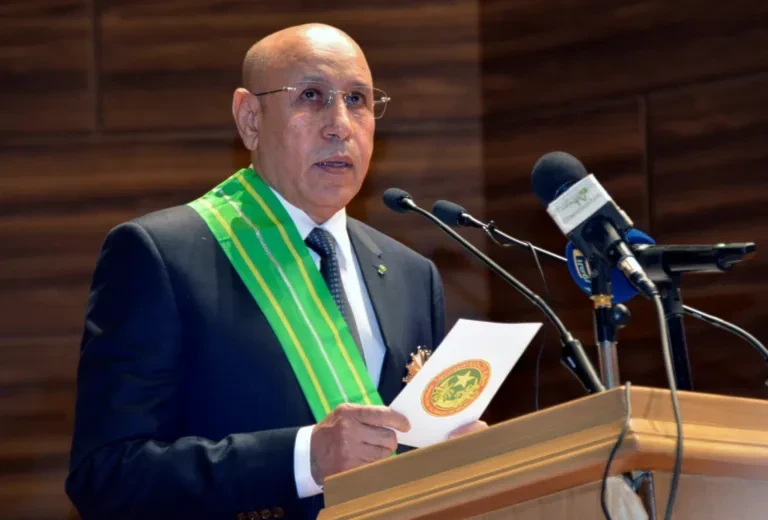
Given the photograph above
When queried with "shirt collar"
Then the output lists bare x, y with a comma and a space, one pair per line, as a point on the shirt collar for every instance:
336, 226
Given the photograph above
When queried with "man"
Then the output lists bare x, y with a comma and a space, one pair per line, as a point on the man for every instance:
238, 350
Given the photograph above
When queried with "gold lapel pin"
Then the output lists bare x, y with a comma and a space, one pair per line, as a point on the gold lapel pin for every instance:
382, 269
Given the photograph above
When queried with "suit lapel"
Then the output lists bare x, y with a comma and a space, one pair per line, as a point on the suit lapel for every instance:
381, 290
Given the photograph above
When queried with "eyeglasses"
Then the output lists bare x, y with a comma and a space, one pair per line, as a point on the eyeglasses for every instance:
315, 96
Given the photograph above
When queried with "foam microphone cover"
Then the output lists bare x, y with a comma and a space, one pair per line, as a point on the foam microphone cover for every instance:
448, 212
555, 172
393, 199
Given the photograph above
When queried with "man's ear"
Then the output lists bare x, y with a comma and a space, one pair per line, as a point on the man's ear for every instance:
246, 109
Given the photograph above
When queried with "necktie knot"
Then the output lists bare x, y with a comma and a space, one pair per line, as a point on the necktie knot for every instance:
321, 242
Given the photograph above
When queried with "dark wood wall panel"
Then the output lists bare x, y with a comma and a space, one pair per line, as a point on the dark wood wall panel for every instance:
45, 54
110, 109
685, 128
538, 53
176, 64
35, 425
710, 183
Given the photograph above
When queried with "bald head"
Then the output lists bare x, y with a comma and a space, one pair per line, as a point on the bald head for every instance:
294, 46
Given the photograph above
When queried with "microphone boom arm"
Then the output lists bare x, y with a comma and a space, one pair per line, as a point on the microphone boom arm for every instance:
573, 356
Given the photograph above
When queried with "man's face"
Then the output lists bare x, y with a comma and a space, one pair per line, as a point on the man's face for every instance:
316, 159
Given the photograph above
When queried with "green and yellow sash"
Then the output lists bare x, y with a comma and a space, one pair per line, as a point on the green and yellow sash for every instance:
263, 244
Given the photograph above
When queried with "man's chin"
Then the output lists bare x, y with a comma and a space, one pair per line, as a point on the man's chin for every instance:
329, 199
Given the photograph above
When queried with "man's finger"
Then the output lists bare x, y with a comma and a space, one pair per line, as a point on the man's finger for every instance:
377, 436
370, 453
472, 427
381, 416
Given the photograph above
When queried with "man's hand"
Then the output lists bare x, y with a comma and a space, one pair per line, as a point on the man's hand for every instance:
353, 435
468, 428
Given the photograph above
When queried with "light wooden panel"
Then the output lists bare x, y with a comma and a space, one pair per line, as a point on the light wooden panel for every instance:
712, 497
176, 64
558, 449
576, 504
45, 54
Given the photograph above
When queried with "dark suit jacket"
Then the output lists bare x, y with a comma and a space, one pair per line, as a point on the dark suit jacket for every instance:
187, 406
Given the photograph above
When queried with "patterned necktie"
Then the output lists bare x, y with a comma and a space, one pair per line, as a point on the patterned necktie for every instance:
321, 242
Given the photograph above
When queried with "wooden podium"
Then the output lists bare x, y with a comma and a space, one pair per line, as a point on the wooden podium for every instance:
549, 464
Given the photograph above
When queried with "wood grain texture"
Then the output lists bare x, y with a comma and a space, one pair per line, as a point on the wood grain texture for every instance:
37, 396
710, 183
111, 109
577, 503
45, 54
557, 449
176, 64
542, 53
713, 498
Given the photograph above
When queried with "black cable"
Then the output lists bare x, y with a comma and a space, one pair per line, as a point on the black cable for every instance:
615, 450
490, 229
544, 330
730, 327
675, 405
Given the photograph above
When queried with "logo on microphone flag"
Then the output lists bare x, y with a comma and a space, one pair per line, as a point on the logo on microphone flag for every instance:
578, 203
456, 388
582, 265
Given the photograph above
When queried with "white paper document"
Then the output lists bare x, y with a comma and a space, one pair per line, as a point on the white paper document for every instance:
459, 380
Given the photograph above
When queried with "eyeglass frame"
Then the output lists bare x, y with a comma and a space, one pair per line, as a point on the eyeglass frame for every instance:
333, 92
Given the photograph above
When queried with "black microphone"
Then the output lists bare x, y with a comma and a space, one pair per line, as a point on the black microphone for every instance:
587, 215
573, 356
454, 215
398, 200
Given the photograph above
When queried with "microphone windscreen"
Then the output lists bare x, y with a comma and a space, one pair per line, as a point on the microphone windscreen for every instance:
448, 212
578, 266
553, 173
393, 198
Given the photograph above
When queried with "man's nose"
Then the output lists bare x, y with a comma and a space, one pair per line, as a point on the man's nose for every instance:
338, 124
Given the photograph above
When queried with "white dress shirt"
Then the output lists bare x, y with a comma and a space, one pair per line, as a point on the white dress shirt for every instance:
365, 319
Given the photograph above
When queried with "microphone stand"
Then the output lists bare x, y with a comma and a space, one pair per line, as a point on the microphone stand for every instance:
605, 326
672, 299
607, 316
